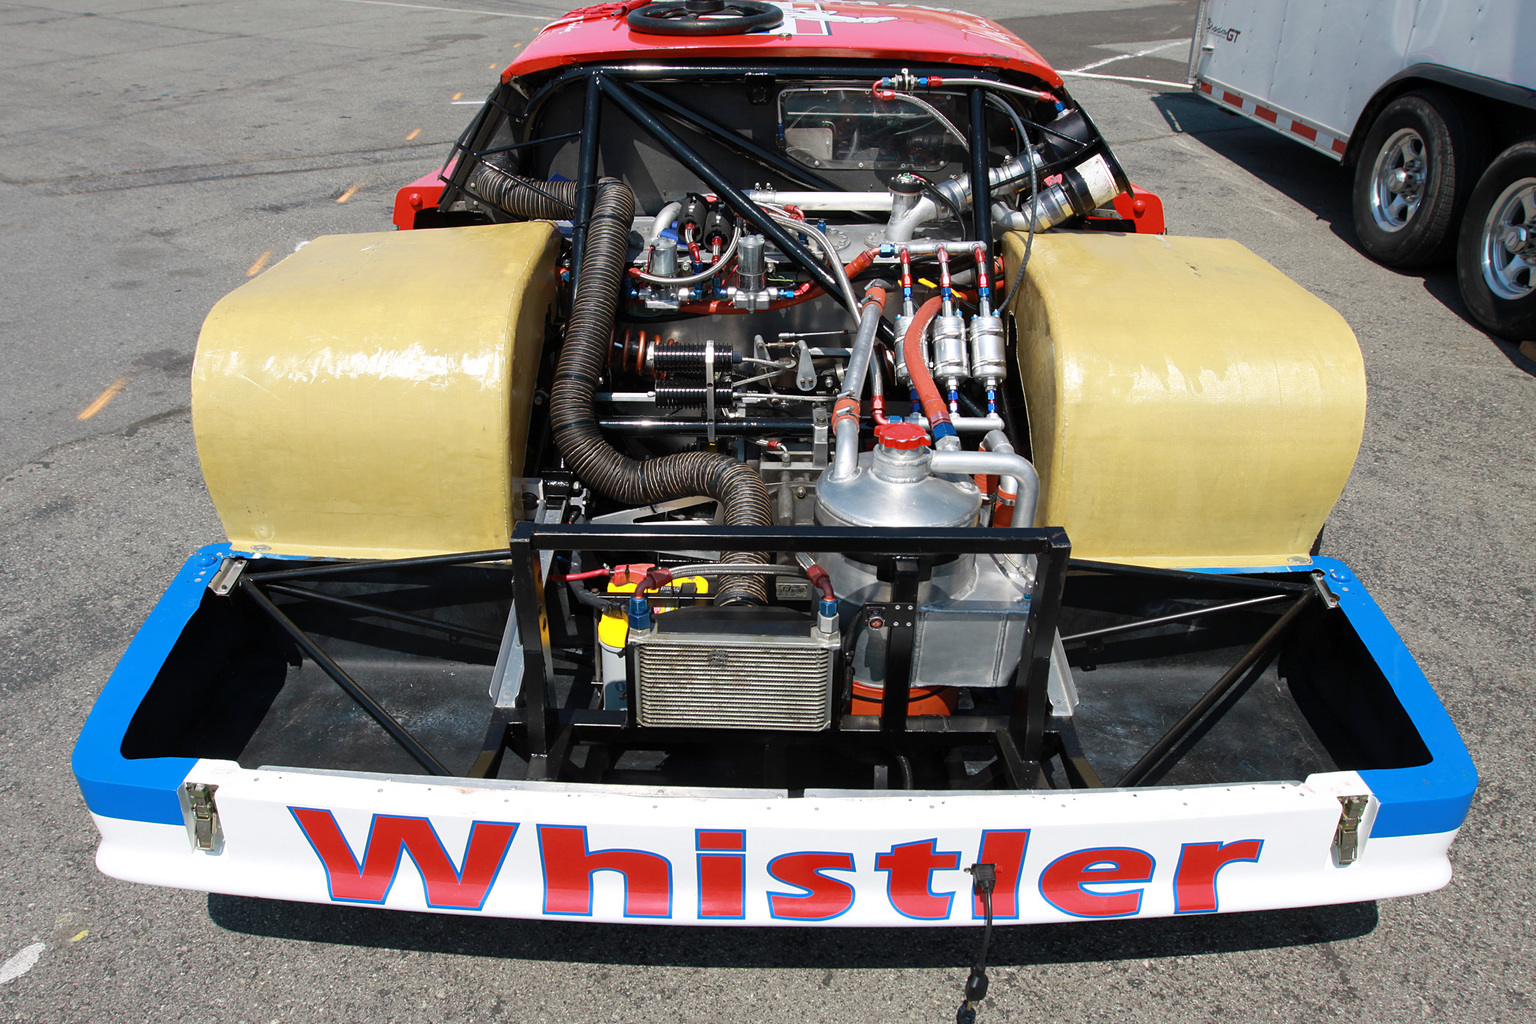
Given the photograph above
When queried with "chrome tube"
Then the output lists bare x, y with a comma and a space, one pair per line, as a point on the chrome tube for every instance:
997, 463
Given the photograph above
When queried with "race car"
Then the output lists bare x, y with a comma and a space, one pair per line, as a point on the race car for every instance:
778, 472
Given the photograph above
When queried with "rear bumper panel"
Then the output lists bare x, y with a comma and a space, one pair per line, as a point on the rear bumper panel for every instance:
557, 851
607, 853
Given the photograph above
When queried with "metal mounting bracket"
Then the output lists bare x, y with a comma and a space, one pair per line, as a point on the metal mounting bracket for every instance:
1346, 840
202, 816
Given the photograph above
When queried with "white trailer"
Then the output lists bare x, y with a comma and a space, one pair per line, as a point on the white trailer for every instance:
1433, 102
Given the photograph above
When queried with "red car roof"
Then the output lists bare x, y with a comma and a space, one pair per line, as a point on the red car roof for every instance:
899, 33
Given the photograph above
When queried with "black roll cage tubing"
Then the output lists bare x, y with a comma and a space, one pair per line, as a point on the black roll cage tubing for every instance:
1023, 739
625, 85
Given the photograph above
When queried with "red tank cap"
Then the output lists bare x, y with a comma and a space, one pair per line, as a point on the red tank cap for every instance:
901, 436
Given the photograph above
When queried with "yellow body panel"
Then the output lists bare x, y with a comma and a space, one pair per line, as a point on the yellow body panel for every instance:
1188, 403
369, 395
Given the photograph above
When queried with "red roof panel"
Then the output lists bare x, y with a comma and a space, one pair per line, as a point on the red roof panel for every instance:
900, 33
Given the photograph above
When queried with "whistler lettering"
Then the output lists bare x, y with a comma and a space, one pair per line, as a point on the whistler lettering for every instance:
805, 885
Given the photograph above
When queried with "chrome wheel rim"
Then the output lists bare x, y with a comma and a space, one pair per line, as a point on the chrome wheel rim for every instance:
1509, 241
1397, 180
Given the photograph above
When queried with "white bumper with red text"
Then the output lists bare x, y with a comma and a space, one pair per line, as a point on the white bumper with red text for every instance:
561, 851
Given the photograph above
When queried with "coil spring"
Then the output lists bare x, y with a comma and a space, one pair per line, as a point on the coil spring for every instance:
627, 355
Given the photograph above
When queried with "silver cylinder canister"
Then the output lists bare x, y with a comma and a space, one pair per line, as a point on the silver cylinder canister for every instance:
902, 323
970, 615
664, 257
895, 486
751, 268
989, 361
949, 361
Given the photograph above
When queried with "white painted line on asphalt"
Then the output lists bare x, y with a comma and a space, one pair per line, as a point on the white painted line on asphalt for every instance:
1126, 56
1124, 78
22, 962
452, 10
465, 103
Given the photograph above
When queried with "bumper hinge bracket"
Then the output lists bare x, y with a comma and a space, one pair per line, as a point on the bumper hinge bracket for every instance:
228, 575
202, 817
1346, 840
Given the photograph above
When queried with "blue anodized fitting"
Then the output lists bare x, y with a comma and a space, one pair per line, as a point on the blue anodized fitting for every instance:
639, 612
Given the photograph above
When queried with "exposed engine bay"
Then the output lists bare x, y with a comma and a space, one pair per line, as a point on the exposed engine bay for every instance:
745, 332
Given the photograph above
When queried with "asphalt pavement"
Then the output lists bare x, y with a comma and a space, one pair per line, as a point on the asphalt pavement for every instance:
152, 157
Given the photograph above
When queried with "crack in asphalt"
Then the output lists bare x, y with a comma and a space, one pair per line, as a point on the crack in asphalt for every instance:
127, 430
193, 173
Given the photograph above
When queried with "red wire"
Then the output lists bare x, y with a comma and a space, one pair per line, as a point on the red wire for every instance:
592, 574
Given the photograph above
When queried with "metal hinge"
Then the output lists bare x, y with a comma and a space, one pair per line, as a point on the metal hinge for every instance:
203, 817
1346, 840
228, 575
1320, 583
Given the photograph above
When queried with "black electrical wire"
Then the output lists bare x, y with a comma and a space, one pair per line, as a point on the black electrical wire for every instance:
932, 190
1029, 239
983, 881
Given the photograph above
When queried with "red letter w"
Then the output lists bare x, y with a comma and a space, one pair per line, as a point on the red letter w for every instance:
389, 837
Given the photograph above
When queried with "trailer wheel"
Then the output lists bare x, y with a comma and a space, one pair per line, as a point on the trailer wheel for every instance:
1417, 166
1496, 255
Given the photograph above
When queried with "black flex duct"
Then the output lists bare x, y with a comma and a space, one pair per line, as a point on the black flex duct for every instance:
584, 356
538, 200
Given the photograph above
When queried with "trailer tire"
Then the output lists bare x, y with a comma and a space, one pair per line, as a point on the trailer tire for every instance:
1417, 166
1496, 254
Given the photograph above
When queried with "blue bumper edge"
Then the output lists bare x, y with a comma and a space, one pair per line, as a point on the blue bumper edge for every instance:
1425, 799
143, 789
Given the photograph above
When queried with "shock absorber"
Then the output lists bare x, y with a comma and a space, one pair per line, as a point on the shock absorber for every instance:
688, 359
949, 357
694, 395
989, 362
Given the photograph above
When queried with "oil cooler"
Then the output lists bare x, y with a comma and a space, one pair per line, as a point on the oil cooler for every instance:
734, 668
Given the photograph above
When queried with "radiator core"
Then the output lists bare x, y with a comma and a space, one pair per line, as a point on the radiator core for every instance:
725, 681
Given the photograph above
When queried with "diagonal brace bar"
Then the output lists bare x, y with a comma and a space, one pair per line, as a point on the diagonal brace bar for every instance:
346, 682
1262, 649
364, 608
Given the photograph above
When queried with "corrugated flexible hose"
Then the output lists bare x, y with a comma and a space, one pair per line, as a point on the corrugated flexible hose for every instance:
584, 355
536, 200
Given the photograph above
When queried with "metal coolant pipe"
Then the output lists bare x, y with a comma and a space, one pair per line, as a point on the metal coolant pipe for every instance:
902, 224
859, 202
663, 220
997, 463
846, 429
1082, 189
